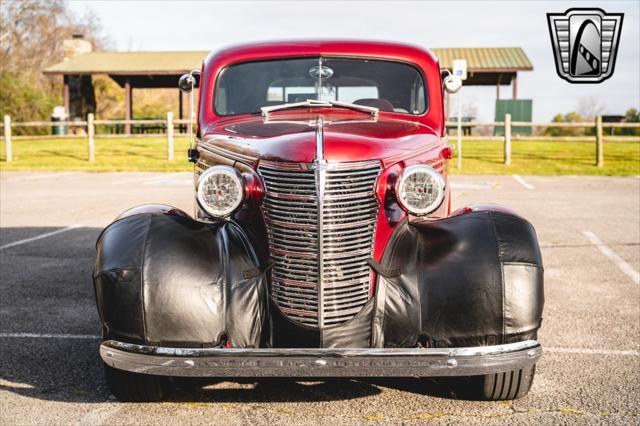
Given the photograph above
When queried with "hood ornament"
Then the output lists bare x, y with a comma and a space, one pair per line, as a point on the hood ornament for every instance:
319, 140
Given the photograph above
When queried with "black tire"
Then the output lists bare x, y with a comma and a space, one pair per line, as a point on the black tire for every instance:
507, 385
134, 387
491, 387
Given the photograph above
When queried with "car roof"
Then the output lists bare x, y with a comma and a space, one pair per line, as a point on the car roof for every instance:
298, 48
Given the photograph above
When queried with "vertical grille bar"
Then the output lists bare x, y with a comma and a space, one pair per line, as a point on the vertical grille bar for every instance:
320, 166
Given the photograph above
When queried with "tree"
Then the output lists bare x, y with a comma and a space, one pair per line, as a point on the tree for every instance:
631, 116
31, 36
571, 117
23, 101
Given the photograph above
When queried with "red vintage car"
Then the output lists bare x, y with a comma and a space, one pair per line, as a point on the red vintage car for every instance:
323, 242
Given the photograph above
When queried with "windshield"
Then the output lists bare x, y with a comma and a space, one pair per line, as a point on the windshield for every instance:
389, 86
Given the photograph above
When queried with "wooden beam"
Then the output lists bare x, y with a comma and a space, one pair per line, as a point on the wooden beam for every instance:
128, 103
498, 87
170, 135
599, 142
91, 132
7, 139
181, 128
507, 139
515, 87
65, 95
447, 100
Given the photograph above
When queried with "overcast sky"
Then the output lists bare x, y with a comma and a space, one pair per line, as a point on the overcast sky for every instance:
173, 25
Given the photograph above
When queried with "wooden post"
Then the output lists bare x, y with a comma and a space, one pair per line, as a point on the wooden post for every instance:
599, 142
7, 138
447, 110
170, 136
181, 128
507, 139
91, 131
67, 99
127, 105
459, 133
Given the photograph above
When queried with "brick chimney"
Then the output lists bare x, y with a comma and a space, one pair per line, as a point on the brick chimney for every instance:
79, 97
75, 46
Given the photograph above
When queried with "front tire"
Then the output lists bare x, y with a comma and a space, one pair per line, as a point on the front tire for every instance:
502, 386
134, 387
508, 385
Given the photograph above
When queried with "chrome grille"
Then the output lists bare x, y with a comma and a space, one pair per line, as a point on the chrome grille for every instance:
320, 258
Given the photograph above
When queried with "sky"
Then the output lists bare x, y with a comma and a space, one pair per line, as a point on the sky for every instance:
210, 25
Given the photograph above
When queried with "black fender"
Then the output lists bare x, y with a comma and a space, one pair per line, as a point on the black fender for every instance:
472, 279
163, 278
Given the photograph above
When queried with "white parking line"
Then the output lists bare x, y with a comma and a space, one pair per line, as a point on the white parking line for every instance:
147, 178
620, 263
170, 182
48, 336
39, 237
523, 182
49, 175
470, 186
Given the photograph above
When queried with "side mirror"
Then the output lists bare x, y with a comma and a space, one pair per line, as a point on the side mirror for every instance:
187, 83
452, 83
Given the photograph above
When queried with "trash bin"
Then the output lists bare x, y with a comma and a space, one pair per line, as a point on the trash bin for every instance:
59, 114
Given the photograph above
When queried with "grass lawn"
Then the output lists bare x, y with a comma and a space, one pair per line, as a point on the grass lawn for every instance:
480, 157
548, 158
148, 154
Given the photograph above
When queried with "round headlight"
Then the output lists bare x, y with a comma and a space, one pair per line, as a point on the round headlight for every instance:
220, 190
420, 189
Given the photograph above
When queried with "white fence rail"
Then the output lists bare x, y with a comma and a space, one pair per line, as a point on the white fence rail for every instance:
169, 124
89, 128
598, 138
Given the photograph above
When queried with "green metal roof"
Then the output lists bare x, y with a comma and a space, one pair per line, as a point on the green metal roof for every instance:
479, 59
486, 59
130, 63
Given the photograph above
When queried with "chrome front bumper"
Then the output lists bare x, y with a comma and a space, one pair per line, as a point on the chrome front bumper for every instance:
402, 362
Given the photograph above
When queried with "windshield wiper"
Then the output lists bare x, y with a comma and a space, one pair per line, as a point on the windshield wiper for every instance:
314, 103
371, 110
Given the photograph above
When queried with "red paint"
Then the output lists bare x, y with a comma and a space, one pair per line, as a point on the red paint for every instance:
446, 153
348, 136
253, 188
390, 212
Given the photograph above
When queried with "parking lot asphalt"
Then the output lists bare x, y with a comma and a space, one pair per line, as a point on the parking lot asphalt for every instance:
51, 373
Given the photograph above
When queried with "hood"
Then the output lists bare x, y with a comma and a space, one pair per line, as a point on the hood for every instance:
345, 136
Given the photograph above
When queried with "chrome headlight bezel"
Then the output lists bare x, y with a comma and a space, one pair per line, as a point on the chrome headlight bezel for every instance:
438, 182
239, 195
